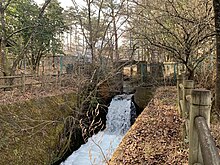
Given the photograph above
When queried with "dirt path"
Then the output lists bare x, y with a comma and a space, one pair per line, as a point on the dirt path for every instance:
155, 138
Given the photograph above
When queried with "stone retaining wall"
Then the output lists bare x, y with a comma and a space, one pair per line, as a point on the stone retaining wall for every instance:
30, 130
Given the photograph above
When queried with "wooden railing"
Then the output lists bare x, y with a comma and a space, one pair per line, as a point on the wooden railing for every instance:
42, 80
194, 106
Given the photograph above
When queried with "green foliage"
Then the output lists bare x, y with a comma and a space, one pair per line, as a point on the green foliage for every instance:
33, 36
18, 18
46, 37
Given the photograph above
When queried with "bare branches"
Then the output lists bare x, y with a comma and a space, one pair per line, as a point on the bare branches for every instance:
179, 27
101, 29
19, 30
43, 8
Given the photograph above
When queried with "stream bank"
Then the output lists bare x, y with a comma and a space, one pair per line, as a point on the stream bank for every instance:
30, 130
155, 137
106, 140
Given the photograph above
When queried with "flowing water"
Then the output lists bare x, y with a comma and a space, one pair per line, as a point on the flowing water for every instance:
101, 146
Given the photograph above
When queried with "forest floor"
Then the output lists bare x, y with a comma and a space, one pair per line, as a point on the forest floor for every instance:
155, 138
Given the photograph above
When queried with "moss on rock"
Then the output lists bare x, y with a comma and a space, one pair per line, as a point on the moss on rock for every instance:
29, 130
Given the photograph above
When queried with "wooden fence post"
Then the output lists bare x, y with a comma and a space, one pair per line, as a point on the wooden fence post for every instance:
179, 93
43, 81
200, 106
23, 82
59, 78
43, 68
188, 86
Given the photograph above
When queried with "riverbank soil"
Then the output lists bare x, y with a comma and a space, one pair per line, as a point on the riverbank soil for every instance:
155, 137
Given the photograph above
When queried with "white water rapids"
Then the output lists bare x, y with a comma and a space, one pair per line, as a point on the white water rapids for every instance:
101, 146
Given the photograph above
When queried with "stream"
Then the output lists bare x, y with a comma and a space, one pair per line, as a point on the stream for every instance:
100, 147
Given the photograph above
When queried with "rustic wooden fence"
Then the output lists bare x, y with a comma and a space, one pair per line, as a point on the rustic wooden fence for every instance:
194, 106
41, 80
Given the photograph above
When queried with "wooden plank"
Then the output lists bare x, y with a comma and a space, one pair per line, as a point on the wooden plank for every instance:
33, 83
17, 76
20, 85
208, 148
200, 106
9, 77
29, 75
10, 86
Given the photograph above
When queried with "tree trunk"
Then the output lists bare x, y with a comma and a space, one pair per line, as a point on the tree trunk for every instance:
91, 33
190, 75
3, 43
115, 35
216, 4
2, 39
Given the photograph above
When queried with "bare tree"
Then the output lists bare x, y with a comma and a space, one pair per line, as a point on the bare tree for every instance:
182, 28
100, 23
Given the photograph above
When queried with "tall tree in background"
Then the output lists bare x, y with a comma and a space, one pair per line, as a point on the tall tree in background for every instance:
216, 4
46, 38
100, 25
3, 7
33, 30
184, 29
